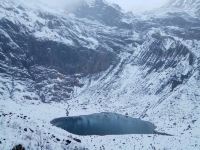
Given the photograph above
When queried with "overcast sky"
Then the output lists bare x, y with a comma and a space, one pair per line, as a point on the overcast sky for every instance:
139, 5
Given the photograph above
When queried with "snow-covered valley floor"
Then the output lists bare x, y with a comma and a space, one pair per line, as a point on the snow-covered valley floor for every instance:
28, 122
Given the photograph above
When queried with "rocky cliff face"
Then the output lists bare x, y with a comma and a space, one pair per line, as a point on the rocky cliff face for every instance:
186, 5
30, 45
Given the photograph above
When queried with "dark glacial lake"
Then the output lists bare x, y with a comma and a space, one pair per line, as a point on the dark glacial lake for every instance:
104, 124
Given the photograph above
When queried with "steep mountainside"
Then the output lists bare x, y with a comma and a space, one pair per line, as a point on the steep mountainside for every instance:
186, 5
99, 59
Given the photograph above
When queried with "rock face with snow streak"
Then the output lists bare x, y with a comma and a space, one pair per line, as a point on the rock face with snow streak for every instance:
95, 60
187, 5
43, 45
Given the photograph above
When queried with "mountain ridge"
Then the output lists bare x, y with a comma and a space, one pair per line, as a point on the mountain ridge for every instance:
186, 5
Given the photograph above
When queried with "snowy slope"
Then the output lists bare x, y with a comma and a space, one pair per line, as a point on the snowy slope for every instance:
192, 6
53, 63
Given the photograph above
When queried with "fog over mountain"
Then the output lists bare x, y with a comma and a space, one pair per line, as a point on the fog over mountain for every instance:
139, 5
127, 5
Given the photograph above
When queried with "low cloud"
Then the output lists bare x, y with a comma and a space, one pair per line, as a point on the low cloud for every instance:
65, 4
139, 5
127, 5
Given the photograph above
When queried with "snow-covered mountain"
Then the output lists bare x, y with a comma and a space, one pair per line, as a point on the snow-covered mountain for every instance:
93, 59
186, 5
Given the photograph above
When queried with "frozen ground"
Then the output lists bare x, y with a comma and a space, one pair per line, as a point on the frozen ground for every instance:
157, 79
28, 122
